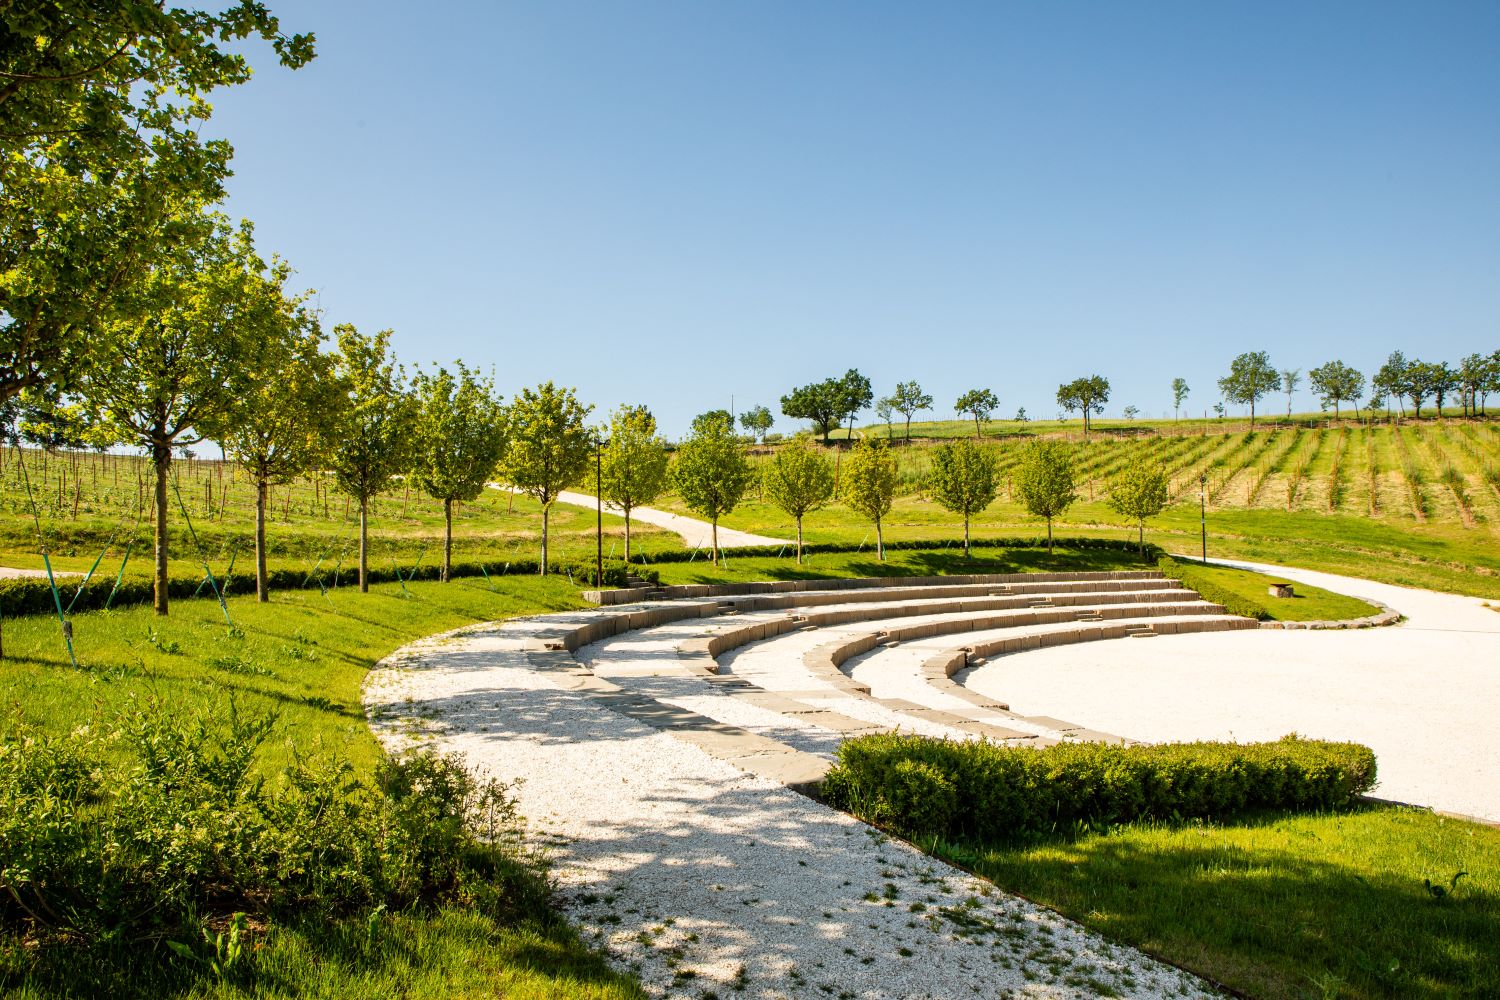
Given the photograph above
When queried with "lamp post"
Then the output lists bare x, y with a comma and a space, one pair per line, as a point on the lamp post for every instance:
1203, 512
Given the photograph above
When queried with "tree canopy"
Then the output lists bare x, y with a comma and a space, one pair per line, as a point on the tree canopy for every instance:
869, 488
1087, 395
634, 465
757, 422
980, 403
710, 473
1044, 481
1251, 377
963, 480
1336, 383
908, 400
1139, 492
547, 448
797, 481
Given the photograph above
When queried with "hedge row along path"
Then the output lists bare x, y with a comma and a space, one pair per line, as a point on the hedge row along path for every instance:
692, 531
678, 844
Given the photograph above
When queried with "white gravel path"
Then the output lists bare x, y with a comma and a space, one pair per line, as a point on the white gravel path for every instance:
691, 530
1425, 695
702, 878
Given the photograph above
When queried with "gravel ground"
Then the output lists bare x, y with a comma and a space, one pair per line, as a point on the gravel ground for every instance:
703, 879
1425, 695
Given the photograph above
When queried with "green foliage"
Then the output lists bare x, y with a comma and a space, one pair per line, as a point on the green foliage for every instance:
829, 402
1192, 576
1179, 393
374, 419
908, 400
798, 480
1336, 383
710, 473
870, 482
757, 422
635, 462
1139, 492
549, 447
1043, 481
1251, 377
979, 403
1087, 395
192, 827
963, 480
1002, 793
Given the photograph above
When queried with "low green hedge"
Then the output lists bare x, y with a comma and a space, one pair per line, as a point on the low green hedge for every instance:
1189, 576
914, 545
33, 595
920, 786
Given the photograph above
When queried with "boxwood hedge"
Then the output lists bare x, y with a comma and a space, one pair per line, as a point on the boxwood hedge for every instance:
920, 786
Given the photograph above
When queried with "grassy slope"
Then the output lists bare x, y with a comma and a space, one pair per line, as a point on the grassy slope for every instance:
305, 658
1282, 907
1308, 604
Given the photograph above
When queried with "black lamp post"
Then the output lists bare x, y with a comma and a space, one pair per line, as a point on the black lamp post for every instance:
1203, 513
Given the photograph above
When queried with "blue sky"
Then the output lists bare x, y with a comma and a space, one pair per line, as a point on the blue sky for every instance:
676, 203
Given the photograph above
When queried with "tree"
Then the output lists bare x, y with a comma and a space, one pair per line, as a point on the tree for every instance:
548, 447
798, 480
458, 438
712, 418
1291, 378
855, 394
282, 417
1044, 481
1391, 380
908, 400
1443, 382
635, 462
374, 421
1491, 380
885, 409
821, 402
1250, 378
1139, 492
1087, 395
757, 422
963, 480
1021, 416
1336, 382
870, 483
172, 359
1419, 382
711, 473
1179, 394
1472, 373
1131, 412
979, 402
102, 160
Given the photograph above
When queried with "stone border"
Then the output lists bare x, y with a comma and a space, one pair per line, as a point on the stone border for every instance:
1387, 616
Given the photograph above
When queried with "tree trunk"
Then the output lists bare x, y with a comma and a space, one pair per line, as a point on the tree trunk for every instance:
1142, 539
262, 584
879, 542
1049, 536
364, 545
627, 535
978, 434
161, 457
966, 536
908, 430
799, 540
716, 539
546, 514
447, 537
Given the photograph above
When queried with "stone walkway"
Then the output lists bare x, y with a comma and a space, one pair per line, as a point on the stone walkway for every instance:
693, 532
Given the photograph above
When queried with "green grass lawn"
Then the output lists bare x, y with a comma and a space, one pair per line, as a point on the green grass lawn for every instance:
1308, 603
303, 657
1282, 907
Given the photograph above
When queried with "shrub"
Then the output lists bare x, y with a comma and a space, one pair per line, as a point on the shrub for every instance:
918, 785
191, 831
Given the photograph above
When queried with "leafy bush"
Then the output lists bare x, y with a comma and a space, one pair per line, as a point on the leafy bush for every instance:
191, 832
921, 786
1235, 604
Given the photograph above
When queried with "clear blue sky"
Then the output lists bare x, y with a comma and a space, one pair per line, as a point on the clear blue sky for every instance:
673, 203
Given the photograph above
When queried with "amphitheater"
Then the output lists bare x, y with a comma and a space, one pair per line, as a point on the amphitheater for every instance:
665, 738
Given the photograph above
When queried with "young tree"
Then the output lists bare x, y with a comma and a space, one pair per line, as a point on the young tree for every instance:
1291, 378
374, 420
885, 409
855, 394
548, 447
798, 480
963, 480
1044, 481
1131, 412
870, 483
711, 473
173, 360
458, 437
1087, 395
635, 462
712, 418
757, 422
1179, 394
1419, 381
821, 402
1336, 382
1021, 416
908, 400
1139, 492
978, 402
1250, 378
282, 418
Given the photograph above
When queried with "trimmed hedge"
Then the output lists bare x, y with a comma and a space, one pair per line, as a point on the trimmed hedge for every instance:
920, 786
32, 595
916, 545
1190, 576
